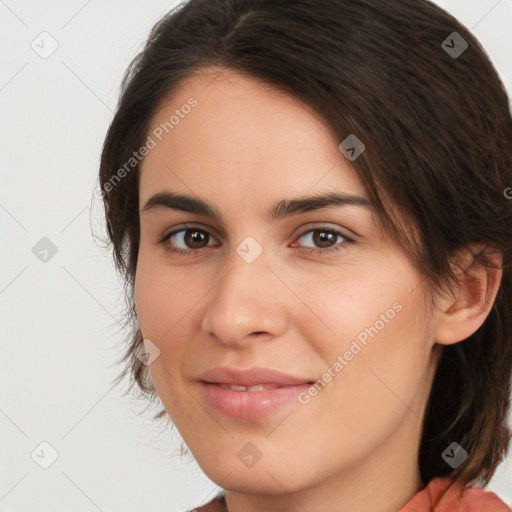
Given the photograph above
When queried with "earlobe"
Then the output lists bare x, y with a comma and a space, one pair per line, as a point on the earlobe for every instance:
457, 316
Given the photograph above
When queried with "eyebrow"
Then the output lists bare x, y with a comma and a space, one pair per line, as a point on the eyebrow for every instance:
284, 208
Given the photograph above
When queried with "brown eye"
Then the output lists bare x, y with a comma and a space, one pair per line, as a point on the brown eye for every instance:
194, 238
186, 241
324, 240
191, 241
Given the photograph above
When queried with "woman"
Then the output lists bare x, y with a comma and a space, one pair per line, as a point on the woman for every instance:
306, 200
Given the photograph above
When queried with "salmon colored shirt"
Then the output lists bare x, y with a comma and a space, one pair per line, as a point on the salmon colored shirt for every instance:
440, 495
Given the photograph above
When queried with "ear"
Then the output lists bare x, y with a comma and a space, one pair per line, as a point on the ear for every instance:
457, 316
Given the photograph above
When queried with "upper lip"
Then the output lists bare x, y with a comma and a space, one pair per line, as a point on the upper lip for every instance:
250, 377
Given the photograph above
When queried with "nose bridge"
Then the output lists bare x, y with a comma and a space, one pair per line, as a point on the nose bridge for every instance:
243, 301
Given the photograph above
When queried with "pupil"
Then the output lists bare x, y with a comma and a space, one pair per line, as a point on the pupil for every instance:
196, 237
325, 236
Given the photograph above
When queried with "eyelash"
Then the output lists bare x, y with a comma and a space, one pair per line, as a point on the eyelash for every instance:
312, 251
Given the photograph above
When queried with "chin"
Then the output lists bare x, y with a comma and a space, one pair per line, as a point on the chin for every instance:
264, 477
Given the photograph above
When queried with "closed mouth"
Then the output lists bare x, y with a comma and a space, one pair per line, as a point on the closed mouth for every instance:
257, 387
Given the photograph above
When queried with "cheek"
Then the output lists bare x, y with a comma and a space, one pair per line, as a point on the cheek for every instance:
370, 332
381, 377
167, 302
159, 311
146, 301
359, 307
162, 297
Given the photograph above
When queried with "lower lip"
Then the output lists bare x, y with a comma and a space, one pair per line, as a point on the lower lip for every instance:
250, 404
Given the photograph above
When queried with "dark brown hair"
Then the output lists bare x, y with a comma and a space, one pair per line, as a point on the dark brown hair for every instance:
438, 134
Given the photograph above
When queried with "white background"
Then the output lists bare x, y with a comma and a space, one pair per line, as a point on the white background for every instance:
59, 330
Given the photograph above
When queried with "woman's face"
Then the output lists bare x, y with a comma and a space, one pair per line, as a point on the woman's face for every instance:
312, 293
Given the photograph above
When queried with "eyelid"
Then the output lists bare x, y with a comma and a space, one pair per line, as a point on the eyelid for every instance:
313, 226
298, 233
185, 227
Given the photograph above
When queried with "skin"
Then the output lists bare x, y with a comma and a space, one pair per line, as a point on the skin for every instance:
354, 446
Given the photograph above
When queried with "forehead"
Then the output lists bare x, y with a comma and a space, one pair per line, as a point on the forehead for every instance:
243, 137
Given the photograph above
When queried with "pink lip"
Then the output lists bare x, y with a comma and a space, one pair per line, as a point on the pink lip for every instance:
250, 404
250, 377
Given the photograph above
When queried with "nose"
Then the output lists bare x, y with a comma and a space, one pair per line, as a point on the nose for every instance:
248, 300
